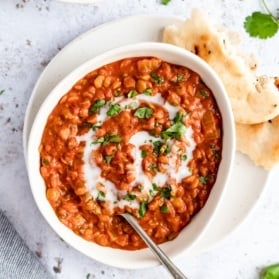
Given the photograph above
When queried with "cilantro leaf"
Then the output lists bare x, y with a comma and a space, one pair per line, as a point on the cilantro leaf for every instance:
129, 197
175, 131
143, 112
164, 208
203, 93
2, 91
97, 105
142, 208
180, 78
261, 25
154, 190
157, 78
132, 93
105, 140
143, 153
108, 159
178, 117
184, 157
101, 195
270, 272
114, 110
204, 179
147, 91
159, 147
165, 2
166, 193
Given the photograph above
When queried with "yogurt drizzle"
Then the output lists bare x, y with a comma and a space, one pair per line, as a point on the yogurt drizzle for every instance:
92, 173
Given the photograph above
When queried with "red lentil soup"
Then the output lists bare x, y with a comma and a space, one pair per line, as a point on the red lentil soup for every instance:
139, 135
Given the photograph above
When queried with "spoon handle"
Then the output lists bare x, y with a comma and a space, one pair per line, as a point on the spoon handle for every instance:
164, 259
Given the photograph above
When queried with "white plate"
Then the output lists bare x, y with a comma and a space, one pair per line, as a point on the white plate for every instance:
247, 182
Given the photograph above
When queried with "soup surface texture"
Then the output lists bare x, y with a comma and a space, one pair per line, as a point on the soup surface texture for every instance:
139, 135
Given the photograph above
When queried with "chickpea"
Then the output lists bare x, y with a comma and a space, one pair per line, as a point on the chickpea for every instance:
129, 82
141, 85
52, 194
179, 204
98, 82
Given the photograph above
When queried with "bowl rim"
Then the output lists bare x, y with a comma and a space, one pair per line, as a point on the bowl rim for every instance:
140, 258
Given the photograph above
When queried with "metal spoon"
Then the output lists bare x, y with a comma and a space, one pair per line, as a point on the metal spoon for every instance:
164, 259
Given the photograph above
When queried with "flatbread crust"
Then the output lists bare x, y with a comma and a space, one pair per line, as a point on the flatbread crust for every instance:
260, 142
253, 99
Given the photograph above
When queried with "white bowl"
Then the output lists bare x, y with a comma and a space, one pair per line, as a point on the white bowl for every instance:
192, 232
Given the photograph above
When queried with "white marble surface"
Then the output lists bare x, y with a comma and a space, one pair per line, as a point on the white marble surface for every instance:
31, 33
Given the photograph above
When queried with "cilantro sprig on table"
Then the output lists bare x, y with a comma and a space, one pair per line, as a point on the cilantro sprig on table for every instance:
261, 25
165, 2
270, 272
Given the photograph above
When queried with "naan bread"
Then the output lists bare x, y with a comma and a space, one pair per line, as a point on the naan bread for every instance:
260, 142
253, 99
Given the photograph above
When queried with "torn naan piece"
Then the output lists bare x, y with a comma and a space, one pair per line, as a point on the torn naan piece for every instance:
253, 99
260, 142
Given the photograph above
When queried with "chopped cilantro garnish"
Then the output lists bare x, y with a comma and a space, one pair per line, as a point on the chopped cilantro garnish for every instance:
215, 151
165, 149
142, 208
143, 112
2, 91
184, 157
45, 162
108, 159
147, 91
154, 189
99, 140
178, 117
153, 167
179, 77
113, 110
164, 208
204, 179
166, 193
157, 78
129, 197
156, 147
160, 147
203, 93
101, 195
154, 186
133, 105
95, 127
152, 133
96, 106
132, 93
108, 139
175, 131
143, 153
